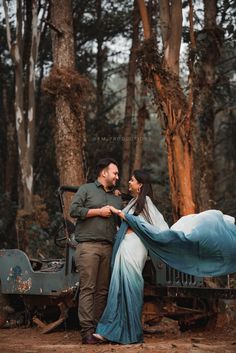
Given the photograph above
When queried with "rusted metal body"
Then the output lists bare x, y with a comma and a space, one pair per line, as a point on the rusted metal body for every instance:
55, 282
18, 276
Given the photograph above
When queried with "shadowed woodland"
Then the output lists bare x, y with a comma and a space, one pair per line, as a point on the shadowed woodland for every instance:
152, 84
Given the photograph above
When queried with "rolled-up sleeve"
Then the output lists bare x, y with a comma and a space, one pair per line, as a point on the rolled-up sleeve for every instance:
77, 209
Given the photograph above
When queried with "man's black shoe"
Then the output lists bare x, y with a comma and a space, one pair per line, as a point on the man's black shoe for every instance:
90, 339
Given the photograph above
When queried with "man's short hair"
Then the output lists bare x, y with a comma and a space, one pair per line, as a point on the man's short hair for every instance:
104, 163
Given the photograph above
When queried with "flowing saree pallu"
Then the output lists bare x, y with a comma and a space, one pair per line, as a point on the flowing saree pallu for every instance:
201, 245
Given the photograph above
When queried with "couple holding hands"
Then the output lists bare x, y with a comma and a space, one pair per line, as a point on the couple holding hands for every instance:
110, 262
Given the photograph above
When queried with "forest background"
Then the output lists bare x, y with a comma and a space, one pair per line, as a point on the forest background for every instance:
151, 84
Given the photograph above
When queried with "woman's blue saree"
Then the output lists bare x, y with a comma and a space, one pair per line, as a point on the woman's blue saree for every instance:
200, 245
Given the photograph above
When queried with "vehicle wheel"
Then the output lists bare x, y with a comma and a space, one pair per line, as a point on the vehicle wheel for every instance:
206, 317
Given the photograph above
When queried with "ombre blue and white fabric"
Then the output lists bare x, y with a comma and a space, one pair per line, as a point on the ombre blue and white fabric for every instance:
121, 320
202, 244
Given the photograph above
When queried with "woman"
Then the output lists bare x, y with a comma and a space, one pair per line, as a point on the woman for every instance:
201, 244
121, 320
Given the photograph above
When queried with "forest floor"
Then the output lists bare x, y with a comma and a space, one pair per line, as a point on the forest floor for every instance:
31, 340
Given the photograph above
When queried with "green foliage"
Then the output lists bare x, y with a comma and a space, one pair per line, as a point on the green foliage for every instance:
114, 23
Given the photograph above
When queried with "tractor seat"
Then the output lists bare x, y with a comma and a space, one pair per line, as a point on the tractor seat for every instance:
52, 265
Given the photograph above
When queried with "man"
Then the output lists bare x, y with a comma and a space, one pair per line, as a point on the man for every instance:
94, 232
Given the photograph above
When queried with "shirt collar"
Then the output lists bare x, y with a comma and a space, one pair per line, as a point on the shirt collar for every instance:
98, 184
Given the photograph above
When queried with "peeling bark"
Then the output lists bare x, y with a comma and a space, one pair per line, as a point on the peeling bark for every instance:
69, 125
174, 104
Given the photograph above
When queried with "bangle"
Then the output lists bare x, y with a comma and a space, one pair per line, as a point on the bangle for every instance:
119, 212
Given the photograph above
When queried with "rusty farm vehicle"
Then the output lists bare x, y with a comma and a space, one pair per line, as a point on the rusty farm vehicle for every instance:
40, 288
36, 289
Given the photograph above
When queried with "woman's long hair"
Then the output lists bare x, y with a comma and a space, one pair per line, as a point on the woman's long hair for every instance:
143, 177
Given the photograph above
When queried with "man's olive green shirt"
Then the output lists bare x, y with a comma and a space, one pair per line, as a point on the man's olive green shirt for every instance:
93, 195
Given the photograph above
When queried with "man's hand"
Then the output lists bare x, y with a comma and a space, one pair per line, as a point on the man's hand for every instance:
105, 211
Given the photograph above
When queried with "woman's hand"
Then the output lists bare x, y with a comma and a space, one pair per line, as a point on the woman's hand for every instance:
114, 210
105, 211
117, 192
117, 212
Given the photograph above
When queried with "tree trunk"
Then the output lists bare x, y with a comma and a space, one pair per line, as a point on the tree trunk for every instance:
11, 155
174, 105
21, 124
130, 105
24, 59
25, 123
209, 43
69, 134
142, 117
100, 64
31, 86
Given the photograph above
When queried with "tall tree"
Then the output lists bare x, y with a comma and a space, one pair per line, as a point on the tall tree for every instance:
189, 119
11, 149
100, 60
225, 109
67, 86
24, 55
165, 77
130, 103
205, 55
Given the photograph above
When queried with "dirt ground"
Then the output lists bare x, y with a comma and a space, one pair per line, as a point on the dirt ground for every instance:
31, 340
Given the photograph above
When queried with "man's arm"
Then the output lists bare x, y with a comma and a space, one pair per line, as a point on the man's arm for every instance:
77, 209
101, 212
